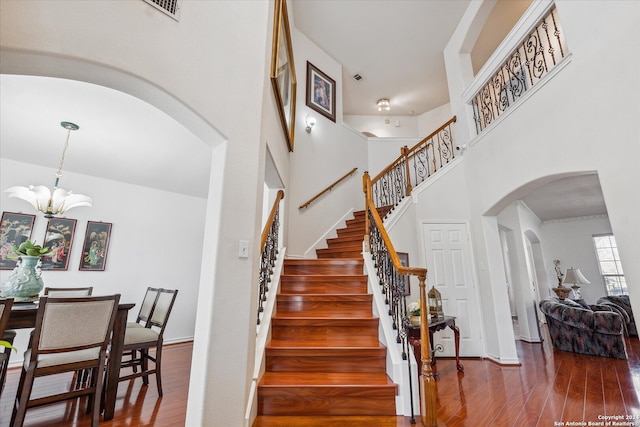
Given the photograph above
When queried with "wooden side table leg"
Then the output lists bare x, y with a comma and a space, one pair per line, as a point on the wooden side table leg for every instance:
456, 336
433, 351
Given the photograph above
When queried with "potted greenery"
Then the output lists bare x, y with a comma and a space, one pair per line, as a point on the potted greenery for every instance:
414, 312
25, 282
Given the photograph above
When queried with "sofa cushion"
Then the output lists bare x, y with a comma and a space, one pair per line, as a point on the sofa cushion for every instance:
579, 318
583, 304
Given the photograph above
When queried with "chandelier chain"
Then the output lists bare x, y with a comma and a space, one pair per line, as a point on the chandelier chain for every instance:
64, 151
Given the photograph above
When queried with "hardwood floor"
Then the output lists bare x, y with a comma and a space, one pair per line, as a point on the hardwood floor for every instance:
136, 405
550, 386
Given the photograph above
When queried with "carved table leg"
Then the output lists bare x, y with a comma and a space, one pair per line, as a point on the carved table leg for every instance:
456, 336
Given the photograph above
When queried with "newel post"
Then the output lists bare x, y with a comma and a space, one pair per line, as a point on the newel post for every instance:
366, 188
405, 153
428, 409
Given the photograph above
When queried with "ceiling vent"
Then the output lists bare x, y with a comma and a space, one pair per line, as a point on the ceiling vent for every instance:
357, 77
169, 7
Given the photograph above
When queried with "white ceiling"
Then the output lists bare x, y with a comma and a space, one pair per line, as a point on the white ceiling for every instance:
120, 137
396, 45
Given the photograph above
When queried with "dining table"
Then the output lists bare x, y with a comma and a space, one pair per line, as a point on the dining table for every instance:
23, 316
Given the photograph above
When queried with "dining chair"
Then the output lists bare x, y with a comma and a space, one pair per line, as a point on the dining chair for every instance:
70, 334
142, 321
8, 336
68, 292
139, 340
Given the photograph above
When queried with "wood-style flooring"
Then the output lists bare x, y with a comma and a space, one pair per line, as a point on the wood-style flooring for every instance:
551, 387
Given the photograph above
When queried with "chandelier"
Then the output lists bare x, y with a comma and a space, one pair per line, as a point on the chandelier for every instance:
55, 202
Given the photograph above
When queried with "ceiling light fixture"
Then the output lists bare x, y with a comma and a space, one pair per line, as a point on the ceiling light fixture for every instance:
52, 202
384, 104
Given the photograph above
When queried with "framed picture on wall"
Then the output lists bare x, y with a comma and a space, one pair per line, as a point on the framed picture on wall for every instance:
15, 228
94, 248
404, 260
321, 92
283, 73
58, 238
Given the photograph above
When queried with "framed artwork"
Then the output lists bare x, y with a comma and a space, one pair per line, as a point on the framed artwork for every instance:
321, 92
58, 239
94, 248
15, 228
404, 260
283, 73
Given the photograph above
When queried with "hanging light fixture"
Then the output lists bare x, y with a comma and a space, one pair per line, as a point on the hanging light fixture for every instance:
54, 202
384, 104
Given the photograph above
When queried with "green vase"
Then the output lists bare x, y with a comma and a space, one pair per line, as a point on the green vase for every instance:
25, 282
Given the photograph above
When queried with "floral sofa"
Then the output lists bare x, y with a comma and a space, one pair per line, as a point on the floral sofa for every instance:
621, 305
595, 330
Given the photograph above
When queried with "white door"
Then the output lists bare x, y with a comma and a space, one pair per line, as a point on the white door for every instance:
448, 260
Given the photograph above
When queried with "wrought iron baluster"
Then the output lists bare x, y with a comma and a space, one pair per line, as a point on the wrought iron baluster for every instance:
269, 254
529, 62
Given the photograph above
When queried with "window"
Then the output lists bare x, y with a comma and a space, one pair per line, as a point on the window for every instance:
610, 266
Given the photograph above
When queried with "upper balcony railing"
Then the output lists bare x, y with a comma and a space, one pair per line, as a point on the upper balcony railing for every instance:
413, 166
540, 51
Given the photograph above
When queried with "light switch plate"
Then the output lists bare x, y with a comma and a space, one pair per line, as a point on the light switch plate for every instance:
243, 249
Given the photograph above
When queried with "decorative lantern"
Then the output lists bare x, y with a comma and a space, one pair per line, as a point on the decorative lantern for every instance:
435, 303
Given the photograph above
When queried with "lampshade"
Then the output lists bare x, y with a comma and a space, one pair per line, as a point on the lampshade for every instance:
53, 202
575, 277
384, 104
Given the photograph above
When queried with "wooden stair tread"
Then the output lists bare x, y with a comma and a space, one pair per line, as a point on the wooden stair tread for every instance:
348, 342
328, 421
322, 351
357, 314
324, 297
323, 277
333, 379
322, 287
309, 321
323, 262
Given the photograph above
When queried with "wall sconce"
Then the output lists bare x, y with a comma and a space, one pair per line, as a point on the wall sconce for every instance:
384, 104
311, 122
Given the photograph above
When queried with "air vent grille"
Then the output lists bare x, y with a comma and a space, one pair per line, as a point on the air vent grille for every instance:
170, 7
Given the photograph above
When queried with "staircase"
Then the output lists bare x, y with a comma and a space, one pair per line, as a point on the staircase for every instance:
324, 357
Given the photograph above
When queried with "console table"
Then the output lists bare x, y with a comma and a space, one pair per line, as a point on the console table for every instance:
434, 326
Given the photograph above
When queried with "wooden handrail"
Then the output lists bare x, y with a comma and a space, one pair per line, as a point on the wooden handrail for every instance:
428, 384
434, 133
267, 225
406, 153
329, 188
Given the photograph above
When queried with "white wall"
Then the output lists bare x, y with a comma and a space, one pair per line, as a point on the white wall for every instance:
556, 132
522, 223
571, 242
432, 120
389, 126
382, 151
319, 159
156, 240
209, 71
385, 126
